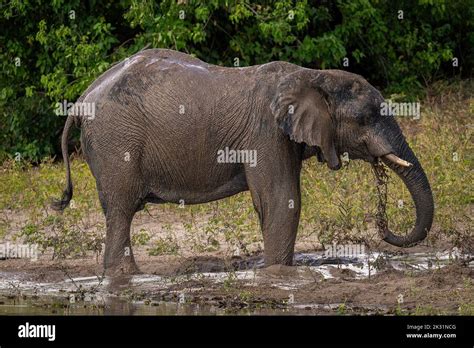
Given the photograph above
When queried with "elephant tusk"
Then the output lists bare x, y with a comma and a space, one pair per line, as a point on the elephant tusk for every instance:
397, 160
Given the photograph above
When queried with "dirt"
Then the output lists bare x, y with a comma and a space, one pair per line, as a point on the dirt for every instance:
237, 285
432, 278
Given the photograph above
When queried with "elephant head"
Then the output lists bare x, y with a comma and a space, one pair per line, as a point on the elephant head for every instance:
339, 112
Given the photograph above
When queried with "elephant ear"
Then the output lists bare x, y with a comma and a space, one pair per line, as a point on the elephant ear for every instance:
301, 108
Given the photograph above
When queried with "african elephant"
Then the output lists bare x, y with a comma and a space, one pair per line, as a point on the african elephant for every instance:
163, 118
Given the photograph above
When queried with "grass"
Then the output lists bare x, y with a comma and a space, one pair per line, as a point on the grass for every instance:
164, 246
337, 206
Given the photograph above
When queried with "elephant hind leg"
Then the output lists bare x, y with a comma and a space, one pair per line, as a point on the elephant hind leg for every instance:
119, 204
118, 258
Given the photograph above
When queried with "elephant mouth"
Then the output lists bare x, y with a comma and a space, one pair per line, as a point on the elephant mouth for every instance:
368, 157
391, 157
388, 156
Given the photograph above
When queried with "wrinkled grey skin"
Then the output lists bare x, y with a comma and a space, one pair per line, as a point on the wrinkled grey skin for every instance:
141, 149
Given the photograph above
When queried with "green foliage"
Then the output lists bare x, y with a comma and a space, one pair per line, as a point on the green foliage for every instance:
51, 51
140, 238
63, 241
164, 246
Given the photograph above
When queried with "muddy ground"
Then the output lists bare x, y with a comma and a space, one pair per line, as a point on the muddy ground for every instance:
191, 271
418, 281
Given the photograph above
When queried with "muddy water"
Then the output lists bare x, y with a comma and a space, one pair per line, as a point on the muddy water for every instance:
95, 296
111, 306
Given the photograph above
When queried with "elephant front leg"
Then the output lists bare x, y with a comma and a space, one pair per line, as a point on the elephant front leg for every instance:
278, 207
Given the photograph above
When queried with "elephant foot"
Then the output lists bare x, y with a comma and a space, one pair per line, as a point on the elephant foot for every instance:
126, 267
280, 271
272, 257
270, 260
120, 276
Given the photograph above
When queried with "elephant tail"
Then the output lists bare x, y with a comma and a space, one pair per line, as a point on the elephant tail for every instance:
60, 205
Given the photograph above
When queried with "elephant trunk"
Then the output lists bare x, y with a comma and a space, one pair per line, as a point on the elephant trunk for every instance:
417, 183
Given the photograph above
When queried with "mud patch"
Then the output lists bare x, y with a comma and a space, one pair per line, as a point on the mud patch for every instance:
375, 283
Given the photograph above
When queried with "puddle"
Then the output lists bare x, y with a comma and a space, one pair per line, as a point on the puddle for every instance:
94, 296
118, 306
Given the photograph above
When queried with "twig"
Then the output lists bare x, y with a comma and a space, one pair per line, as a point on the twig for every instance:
382, 193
